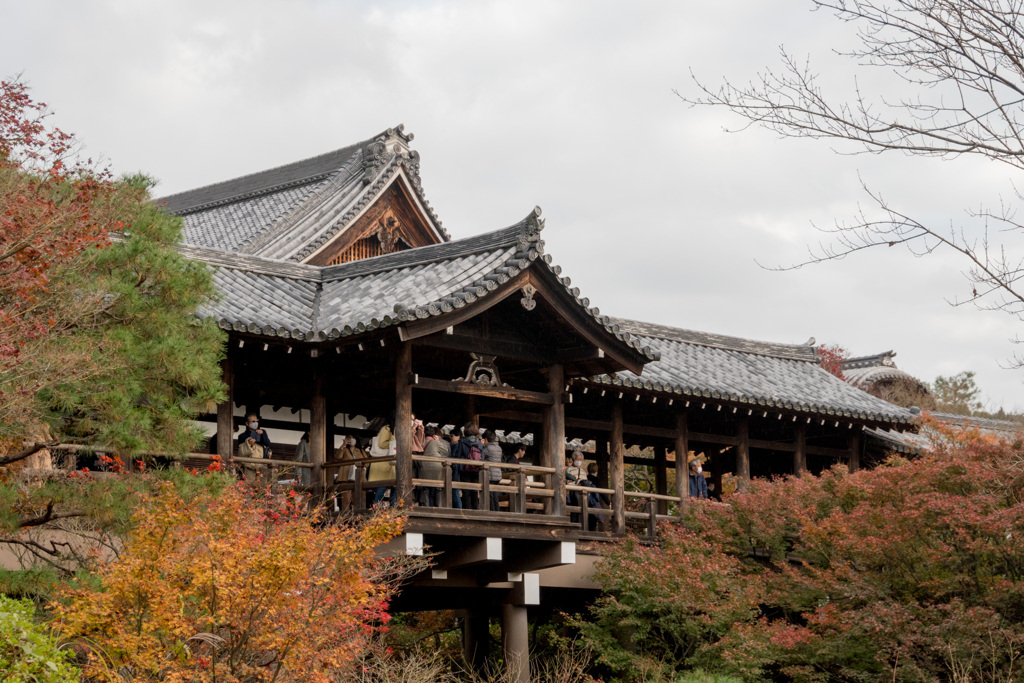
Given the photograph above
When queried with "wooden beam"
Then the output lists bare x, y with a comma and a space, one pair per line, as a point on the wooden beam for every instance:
488, 346
403, 425
800, 452
682, 471
743, 453
226, 410
484, 390
553, 443
318, 429
616, 470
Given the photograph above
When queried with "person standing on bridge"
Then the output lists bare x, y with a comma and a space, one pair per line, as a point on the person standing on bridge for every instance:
492, 453
698, 484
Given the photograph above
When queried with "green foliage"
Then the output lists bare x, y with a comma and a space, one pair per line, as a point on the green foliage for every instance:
957, 394
699, 676
913, 571
28, 654
155, 366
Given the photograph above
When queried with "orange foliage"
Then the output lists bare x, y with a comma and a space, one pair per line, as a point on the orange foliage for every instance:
232, 589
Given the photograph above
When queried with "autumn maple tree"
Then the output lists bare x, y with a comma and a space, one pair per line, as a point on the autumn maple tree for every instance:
98, 344
912, 571
234, 588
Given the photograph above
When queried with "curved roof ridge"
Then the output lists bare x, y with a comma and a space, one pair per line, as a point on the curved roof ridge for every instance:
800, 352
260, 182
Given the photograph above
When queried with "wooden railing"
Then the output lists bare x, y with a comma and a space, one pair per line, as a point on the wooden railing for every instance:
519, 494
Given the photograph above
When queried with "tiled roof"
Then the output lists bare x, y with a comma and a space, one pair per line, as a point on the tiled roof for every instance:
730, 369
907, 442
309, 303
291, 211
864, 371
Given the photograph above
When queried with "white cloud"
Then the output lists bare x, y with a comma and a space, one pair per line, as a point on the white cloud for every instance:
652, 209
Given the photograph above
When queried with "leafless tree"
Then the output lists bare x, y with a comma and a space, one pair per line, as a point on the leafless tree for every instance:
964, 63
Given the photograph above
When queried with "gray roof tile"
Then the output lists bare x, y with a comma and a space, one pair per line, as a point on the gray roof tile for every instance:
701, 365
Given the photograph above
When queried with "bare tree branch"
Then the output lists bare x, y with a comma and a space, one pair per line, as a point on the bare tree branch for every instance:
966, 61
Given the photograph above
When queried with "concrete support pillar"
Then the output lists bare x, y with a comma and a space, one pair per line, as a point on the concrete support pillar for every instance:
515, 643
226, 412
476, 639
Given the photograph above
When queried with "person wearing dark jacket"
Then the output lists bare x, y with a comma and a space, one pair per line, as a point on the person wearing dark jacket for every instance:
470, 497
698, 484
252, 431
492, 453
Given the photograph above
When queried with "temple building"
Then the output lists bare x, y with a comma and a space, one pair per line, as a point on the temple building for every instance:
344, 298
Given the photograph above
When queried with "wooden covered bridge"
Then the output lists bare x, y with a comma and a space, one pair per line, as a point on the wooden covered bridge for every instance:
343, 295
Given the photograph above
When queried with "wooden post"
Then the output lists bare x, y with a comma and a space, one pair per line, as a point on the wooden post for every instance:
317, 431
661, 478
359, 492
682, 470
854, 460
226, 412
800, 452
554, 439
743, 454
446, 497
617, 472
403, 425
584, 511
652, 519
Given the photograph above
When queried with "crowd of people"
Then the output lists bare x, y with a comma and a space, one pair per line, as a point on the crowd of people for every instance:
458, 449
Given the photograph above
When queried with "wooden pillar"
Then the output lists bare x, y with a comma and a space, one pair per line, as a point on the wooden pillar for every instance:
471, 413
318, 430
800, 452
616, 471
854, 458
743, 454
476, 639
403, 425
682, 470
226, 411
515, 643
661, 479
554, 438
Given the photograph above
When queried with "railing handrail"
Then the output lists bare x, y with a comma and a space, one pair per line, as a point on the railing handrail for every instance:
256, 461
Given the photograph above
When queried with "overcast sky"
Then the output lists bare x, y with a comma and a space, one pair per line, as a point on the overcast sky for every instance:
654, 211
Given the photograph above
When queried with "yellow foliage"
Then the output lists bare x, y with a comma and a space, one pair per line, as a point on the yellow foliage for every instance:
230, 589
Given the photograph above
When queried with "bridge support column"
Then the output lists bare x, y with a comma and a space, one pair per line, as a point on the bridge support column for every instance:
476, 639
515, 642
